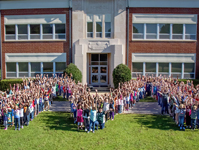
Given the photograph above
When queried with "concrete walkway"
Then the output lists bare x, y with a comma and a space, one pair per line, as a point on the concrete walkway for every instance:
140, 107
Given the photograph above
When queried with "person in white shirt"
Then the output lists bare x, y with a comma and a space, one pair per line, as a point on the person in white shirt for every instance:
21, 115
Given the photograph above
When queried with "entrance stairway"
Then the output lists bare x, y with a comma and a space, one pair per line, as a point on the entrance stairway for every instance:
101, 89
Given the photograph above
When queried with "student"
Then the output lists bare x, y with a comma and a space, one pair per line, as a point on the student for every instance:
5, 118
101, 118
79, 117
92, 119
188, 117
181, 116
193, 117
111, 108
16, 117
21, 115
86, 117
106, 109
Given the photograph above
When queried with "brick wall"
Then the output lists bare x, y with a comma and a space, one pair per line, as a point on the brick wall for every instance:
163, 46
34, 46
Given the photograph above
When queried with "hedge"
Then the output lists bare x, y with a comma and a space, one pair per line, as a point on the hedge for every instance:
121, 74
4, 84
195, 81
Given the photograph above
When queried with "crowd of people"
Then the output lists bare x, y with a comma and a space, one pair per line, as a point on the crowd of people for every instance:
23, 102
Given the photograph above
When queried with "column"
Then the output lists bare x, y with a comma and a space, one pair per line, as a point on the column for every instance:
54, 68
145, 31
28, 31
41, 65
16, 32
171, 31
169, 69
157, 66
103, 26
94, 26
17, 69
53, 31
41, 31
183, 36
144, 64
29, 69
182, 72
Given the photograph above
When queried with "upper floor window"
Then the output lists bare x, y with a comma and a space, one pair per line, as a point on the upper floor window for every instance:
98, 29
35, 32
98, 26
164, 31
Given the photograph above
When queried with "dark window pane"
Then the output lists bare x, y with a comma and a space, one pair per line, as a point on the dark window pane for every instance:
60, 28
164, 28
151, 28
137, 67
176, 67
22, 29
23, 67
94, 57
163, 67
138, 28
107, 27
47, 28
189, 67
177, 29
98, 26
47, 67
10, 29
190, 29
11, 67
35, 29
150, 67
103, 57
89, 26
60, 66
35, 67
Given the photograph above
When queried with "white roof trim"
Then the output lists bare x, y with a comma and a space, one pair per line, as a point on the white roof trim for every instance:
165, 18
35, 19
35, 57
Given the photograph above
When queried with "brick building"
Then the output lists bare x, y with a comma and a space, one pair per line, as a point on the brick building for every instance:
150, 36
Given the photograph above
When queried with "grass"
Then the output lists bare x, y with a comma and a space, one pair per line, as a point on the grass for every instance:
147, 99
53, 130
60, 98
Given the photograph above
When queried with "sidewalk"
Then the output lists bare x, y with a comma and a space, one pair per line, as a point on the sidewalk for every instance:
140, 107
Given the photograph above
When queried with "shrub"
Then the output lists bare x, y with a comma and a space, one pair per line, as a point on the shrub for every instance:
121, 73
4, 84
77, 74
195, 81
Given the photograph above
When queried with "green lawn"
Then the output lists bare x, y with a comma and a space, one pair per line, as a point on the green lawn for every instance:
148, 99
52, 130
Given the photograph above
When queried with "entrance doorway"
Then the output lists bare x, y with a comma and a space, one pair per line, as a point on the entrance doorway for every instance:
99, 70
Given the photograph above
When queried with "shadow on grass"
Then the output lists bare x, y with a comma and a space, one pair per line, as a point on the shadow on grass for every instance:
147, 99
156, 122
58, 121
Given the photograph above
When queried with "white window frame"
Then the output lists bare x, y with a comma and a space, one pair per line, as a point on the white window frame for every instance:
87, 30
158, 34
16, 35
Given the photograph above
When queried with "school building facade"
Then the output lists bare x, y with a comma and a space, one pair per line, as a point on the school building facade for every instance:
151, 36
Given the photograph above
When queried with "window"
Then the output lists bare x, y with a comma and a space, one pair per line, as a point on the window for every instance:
138, 31
11, 69
47, 31
34, 31
60, 31
137, 69
150, 67
164, 31
47, 67
107, 29
189, 70
190, 31
90, 29
98, 29
35, 69
177, 31
10, 32
176, 69
164, 67
151, 31
22, 32
23, 69
60, 66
